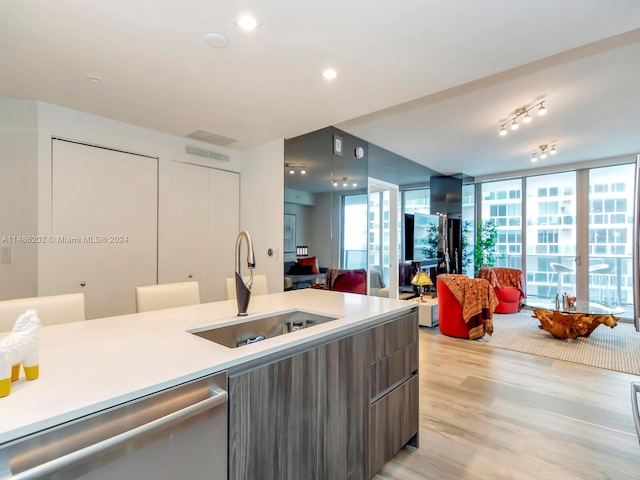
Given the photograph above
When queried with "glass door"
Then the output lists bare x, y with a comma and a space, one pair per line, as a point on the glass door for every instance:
551, 234
382, 270
610, 249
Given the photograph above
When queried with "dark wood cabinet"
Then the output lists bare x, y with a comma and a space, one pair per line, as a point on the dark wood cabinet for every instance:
307, 416
394, 422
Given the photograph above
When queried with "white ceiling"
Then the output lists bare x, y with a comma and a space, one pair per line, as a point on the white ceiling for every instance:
428, 79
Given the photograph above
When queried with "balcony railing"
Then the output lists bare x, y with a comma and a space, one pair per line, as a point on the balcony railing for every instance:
610, 278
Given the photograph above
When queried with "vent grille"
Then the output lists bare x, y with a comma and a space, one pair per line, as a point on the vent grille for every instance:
211, 137
206, 153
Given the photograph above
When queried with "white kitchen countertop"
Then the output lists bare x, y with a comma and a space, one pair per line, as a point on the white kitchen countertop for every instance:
91, 365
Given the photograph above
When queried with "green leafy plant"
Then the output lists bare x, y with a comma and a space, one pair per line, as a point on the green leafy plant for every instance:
485, 247
467, 248
430, 241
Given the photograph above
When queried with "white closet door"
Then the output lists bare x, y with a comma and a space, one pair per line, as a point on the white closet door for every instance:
189, 229
224, 226
105, 203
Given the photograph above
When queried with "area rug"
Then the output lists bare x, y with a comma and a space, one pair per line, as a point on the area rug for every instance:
615, 348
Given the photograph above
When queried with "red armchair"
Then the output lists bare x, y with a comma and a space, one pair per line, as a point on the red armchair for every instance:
509, 286
465, 306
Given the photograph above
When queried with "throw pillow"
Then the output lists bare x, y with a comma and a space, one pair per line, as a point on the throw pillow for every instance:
297, 269
310, 261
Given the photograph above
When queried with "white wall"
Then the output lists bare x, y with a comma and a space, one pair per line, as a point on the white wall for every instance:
18, 196
261, 197
262, 207
26, 132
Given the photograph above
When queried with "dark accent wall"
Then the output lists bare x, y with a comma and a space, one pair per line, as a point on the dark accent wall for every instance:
446, 200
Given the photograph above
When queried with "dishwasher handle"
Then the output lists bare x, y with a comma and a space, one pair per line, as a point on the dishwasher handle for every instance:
61, 462
635, 389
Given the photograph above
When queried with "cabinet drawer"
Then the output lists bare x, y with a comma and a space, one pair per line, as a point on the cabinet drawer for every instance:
393, 422
394, 335
393, 368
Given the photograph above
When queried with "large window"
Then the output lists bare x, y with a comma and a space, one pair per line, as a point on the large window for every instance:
417, 201
502, 205
557, 239
610, 234
354, 228
551, 234
468, 227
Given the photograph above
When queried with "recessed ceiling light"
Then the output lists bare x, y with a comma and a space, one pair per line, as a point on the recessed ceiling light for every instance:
329, 74
93, 79
216, 40
247, 23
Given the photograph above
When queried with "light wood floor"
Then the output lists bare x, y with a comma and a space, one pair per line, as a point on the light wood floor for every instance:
487, 413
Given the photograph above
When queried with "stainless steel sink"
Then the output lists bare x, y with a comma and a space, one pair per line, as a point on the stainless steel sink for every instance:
251, 331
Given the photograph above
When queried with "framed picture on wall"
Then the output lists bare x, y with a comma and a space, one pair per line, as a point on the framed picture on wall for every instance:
289, 233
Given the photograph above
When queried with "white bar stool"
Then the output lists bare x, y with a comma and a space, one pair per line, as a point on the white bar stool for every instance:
560, 269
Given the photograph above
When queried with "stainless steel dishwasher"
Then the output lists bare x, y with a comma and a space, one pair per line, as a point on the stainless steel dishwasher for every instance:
180, 432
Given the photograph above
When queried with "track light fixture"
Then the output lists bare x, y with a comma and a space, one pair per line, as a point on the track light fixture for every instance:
292, 168
522, 113
542, 151
344, 181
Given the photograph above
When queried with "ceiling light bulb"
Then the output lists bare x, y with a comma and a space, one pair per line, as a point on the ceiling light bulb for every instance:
527, 118
345, 184
292, 171
329, 74
303, 172
553, 150
542, 110
247, 23
355, 184
534, 159
335, 184
503, 131
543, 155
514, 125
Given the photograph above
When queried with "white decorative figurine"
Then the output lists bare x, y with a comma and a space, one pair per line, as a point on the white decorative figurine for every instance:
20, 346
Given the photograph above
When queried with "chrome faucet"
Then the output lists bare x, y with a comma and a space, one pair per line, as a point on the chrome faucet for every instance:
243, 291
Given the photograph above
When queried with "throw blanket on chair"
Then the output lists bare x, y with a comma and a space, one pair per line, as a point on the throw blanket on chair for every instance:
478, 301
504, 277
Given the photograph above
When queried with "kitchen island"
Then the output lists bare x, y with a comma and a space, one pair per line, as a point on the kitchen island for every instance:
89, 366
